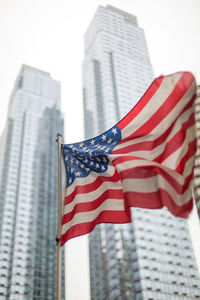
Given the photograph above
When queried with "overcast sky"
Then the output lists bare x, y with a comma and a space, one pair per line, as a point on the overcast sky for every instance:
49, 35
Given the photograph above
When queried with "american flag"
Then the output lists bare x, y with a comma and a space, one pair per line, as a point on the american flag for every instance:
145, 161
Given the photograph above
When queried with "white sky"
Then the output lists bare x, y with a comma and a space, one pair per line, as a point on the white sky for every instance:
48, 35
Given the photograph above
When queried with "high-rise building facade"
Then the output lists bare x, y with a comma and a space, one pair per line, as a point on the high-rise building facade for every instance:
152, 257
197, 160
28, 188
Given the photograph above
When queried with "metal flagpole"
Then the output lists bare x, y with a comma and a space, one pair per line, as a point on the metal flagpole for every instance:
58, 234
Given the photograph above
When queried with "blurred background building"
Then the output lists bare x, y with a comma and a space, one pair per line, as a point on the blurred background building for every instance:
197, 161
152, 257
28, 188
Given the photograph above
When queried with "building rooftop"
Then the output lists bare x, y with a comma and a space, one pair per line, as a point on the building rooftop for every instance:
34, 69
127, 17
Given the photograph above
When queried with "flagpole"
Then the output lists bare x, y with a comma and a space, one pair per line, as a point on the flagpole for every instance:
58, 234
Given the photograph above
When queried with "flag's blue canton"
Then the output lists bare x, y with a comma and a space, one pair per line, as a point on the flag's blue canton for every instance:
82, 158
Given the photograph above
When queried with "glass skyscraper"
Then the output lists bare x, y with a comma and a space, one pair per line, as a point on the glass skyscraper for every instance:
28, 188
152, 257
197, 160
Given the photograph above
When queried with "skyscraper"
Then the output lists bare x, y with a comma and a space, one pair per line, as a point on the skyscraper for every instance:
116, 68
152, 257
197, 160
28, 188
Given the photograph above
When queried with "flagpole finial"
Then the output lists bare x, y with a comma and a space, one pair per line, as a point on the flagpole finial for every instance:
59, 135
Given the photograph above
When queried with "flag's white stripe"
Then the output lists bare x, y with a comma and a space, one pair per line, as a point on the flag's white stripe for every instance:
89, 179
143, 163
189, 166
89, 216
161, 127
91, 196
152, 154
160, 96
175, 158
153, 184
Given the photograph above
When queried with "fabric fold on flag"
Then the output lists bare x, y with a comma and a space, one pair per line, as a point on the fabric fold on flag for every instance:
145, 161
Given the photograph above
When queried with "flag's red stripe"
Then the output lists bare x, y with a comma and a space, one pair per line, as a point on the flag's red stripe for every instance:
90, 187
142, 103
151, 171
163, 110
115, 217
157, 200
176, 141
92, 205
192, 147
149, 145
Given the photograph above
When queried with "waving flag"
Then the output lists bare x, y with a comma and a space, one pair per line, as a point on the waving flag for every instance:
145, 161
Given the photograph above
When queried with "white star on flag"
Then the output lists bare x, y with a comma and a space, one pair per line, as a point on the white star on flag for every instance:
92, 142
114, 131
